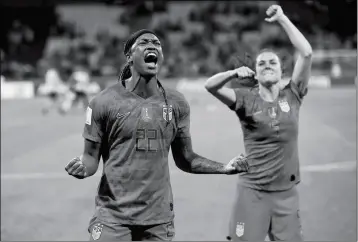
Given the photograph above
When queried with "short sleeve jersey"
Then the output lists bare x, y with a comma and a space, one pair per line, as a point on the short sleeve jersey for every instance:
135, 136
270, 131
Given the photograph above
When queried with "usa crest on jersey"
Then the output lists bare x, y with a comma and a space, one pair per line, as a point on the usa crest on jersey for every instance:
167, 112
284, 105
97, 231
240, 227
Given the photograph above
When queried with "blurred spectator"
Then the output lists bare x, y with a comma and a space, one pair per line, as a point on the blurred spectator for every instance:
54, 87
82, 88
208, 37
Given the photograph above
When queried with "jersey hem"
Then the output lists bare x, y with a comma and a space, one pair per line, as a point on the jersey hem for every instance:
131, 222
261, 187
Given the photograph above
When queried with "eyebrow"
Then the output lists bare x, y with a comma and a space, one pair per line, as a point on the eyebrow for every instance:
156, 40
268, 60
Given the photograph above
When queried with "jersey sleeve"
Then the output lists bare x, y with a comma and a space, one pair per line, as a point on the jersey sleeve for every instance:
184, 119
240, 97
94, 124
298, 90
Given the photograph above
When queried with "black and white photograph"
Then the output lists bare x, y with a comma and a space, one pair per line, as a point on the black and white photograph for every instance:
161, 120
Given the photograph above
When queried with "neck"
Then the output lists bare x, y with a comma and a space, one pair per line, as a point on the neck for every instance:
144, 86
269, 93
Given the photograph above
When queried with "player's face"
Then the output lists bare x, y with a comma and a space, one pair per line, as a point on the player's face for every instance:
147, 54
268, 68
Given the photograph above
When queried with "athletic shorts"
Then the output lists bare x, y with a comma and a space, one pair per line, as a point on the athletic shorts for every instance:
257, 214
102, 231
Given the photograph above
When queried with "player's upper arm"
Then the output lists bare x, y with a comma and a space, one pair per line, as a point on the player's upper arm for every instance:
91, 156
183, 153
240, 94
225, 95
181, 145
95, 121
233, 98
302, 71
92, 150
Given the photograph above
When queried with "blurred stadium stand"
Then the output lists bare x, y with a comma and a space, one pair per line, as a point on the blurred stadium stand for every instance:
199, 38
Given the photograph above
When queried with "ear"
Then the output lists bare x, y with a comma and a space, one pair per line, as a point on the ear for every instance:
129, 59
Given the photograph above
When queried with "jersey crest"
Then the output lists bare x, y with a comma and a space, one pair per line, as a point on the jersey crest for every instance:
97, 231
167, 112
240, 227
285, 107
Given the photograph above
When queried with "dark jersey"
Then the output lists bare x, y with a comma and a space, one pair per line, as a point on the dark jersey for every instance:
135, 136
270, 131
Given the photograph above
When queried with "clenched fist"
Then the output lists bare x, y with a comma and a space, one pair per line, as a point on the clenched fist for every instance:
237, 165
244, 72
274, 13
76, 168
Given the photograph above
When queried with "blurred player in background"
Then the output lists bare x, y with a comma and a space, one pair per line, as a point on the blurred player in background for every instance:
54, 88
81, 87
267, 198
132, 125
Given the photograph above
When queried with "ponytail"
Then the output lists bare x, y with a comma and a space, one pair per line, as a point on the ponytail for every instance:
125, 74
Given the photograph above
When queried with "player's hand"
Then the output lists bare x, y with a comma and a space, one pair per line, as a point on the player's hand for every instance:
76, 168
237, 165
244, 72
274, 13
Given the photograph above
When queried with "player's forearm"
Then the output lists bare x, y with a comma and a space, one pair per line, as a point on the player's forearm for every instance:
91, 164
296, 37
187, 160
196, 164
201, 165
217, 81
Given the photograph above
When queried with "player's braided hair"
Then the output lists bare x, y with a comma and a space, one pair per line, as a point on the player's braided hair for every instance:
126, 71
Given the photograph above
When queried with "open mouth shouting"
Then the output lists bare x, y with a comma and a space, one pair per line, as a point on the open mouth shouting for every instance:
151, 59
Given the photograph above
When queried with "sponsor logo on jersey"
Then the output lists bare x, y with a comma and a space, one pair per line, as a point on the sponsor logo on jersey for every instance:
240, 227
88, 115
121, 115
167, 112
97, 231
284, 106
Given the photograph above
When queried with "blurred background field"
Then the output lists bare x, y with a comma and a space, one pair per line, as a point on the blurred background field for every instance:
40, 202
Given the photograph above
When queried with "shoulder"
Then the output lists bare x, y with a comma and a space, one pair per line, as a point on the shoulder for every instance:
297, 90
176, 96
179, 101
108, 95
